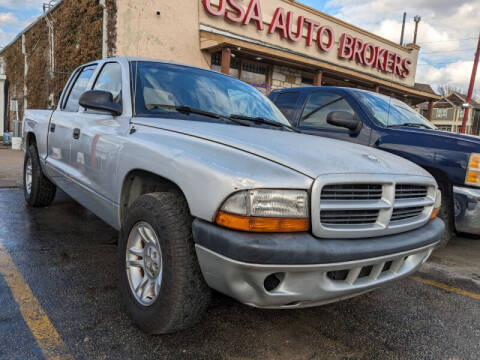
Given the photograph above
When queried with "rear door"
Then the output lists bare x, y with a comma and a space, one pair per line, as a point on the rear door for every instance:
62, 126
312, 118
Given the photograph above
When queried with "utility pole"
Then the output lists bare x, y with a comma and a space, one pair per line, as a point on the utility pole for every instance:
470, 88
417, 20
403, 28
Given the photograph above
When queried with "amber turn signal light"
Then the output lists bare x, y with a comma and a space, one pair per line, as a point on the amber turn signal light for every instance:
262, 224
434, 213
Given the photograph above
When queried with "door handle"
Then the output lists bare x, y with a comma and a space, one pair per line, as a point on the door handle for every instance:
52, 127
76, 133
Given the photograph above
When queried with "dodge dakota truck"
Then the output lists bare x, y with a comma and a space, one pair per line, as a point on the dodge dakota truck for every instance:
389, 124
211, 188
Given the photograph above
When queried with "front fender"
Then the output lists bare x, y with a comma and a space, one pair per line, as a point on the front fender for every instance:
205, 171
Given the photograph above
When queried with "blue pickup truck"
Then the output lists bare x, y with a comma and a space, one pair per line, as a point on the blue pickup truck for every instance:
389, 124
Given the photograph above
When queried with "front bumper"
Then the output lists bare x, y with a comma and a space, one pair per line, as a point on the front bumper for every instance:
467, 209
299, 270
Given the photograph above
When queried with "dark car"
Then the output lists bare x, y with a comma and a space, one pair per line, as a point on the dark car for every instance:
389, 124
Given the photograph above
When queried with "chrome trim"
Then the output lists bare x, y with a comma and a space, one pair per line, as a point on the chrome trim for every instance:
303, 285
383, 225
467, 209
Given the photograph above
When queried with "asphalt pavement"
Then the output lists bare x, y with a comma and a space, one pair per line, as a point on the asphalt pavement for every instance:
65, 257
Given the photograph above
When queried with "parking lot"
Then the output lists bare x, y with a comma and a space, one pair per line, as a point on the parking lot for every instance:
65, 256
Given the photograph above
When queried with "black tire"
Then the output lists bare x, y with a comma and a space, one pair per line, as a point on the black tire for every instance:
183, 295
42, 191
446, 214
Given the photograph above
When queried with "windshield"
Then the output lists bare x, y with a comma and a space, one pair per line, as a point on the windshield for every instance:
161, 88
392, 112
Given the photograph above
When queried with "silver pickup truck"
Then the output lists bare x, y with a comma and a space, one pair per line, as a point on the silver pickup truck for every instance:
211, 188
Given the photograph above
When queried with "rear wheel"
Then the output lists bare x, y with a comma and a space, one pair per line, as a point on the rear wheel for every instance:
37, 189
160, 279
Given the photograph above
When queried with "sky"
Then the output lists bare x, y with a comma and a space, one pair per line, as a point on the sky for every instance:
447, 35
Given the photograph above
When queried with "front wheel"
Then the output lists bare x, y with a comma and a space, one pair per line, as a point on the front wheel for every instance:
38, 190
160, 279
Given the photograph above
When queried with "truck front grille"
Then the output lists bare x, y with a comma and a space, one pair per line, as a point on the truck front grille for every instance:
349, 217
405, 191
352, 192
365, 209
406, 213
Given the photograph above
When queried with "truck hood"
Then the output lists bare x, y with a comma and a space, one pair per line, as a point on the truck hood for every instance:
307, 154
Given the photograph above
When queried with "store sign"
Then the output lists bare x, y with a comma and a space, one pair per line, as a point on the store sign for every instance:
350, 48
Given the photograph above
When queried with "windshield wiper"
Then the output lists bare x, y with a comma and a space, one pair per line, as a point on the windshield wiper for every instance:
260, 120
185, 109
416, 125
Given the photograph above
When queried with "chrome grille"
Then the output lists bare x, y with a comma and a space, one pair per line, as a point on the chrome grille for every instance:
349, 217
370, 205
406, 213
352, 192
406, 191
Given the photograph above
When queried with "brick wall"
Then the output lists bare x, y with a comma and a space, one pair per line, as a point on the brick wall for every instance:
284, 77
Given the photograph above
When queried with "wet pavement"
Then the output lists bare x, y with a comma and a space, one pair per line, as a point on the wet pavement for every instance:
11, 167
67, 257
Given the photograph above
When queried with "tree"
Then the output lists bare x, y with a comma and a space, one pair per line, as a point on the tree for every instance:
447, 89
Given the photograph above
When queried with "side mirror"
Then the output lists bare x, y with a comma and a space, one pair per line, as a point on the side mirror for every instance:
100, 100
346, 120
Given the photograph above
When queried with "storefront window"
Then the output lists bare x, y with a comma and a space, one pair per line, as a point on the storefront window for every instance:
307, 82
217, 64
253, 73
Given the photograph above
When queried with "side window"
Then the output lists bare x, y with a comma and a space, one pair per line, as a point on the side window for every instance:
110, 79
319, 105
286, 102
79, 88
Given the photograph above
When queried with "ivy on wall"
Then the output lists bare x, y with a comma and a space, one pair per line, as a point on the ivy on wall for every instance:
78, 31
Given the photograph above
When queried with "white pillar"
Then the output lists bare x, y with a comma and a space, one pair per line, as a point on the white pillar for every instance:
104, 29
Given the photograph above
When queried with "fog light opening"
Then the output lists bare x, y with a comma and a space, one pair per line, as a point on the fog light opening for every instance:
272, 281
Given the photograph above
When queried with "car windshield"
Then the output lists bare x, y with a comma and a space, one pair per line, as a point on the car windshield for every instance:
161, 90
392, 112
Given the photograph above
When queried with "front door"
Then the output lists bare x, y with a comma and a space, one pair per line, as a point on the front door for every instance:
313, 118
95, 153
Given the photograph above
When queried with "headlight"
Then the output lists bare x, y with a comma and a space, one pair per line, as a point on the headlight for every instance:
438, 204
473, 170
266, 210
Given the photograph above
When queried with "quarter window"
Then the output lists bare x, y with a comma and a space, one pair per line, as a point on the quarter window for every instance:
319, 105
79, 88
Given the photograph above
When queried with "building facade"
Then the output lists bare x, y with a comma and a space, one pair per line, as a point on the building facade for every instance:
448, 114
267, 43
